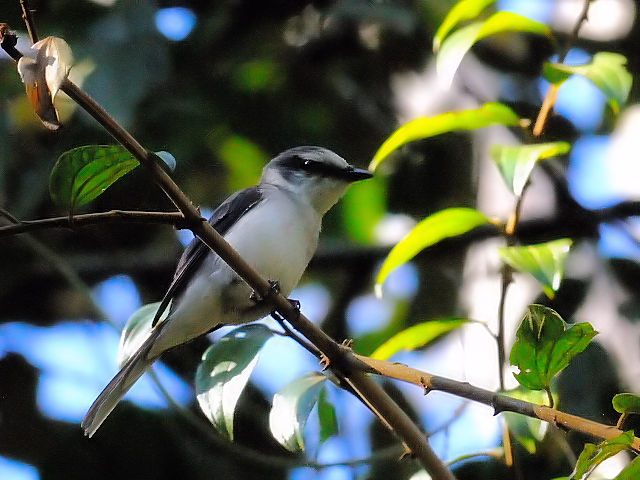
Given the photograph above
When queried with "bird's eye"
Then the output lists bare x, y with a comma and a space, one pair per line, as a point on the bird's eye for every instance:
309, 166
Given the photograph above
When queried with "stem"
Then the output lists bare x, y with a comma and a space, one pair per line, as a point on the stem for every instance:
549, 397
502, 356
28, 20
552, 93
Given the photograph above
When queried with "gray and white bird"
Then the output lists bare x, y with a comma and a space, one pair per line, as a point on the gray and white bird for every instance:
274, 226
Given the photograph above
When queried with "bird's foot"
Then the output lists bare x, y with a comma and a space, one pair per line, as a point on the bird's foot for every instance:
274, 289
296, 306
324, 361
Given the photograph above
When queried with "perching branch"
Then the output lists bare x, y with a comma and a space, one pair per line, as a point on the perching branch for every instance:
113, 216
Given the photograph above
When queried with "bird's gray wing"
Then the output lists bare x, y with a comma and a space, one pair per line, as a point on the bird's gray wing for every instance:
222, 219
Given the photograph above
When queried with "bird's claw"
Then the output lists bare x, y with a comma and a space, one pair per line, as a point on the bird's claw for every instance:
324, 361
274, 289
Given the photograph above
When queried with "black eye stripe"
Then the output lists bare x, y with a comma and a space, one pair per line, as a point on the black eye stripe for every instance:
295, 162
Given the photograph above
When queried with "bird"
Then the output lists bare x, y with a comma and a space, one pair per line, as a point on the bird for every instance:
274, 226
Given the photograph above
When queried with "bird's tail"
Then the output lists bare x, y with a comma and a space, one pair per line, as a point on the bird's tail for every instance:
131, 371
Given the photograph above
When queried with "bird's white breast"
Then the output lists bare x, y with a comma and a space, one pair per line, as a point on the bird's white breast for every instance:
278, 237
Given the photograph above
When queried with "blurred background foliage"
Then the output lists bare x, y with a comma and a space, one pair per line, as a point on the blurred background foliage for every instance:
226, 85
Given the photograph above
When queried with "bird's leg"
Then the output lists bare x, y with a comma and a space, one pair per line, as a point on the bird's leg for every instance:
325, 362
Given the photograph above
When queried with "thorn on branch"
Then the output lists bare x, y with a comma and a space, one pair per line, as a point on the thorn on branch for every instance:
407, 453
427, 388
348, 343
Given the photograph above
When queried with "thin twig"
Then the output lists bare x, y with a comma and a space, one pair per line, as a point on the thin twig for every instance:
291, 334
506, 277
28, 20
113, 216
500, 403
552, 93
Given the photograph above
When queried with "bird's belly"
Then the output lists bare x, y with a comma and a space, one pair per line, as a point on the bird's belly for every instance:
279, 247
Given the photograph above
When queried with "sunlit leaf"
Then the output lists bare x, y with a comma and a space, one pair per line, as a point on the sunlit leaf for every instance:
626, 403
44, 75
544, 346
327, 417
455, 46
362, 208
137, 330
490, 113
461, 11
417, 336
545, 261
84, 173
607, 71
291, 408
367, 343
631, 471
528, 431
224, 372
593, 455
443, 224
516, 162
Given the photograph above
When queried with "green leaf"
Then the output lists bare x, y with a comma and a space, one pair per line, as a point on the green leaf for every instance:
224, 372
607, 71
461, 11
417, 336
528, 431
84, 173
136, 331
545, 261
443, 224
424, 127
631, 471
455, 46
516, 162
544, 346
626, 403
327, 417
593, 455
291, 408
362, 208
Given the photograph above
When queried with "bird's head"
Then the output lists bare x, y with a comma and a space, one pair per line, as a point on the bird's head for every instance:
314, 174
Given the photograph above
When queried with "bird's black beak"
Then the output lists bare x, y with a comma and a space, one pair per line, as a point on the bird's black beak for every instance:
353, 174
